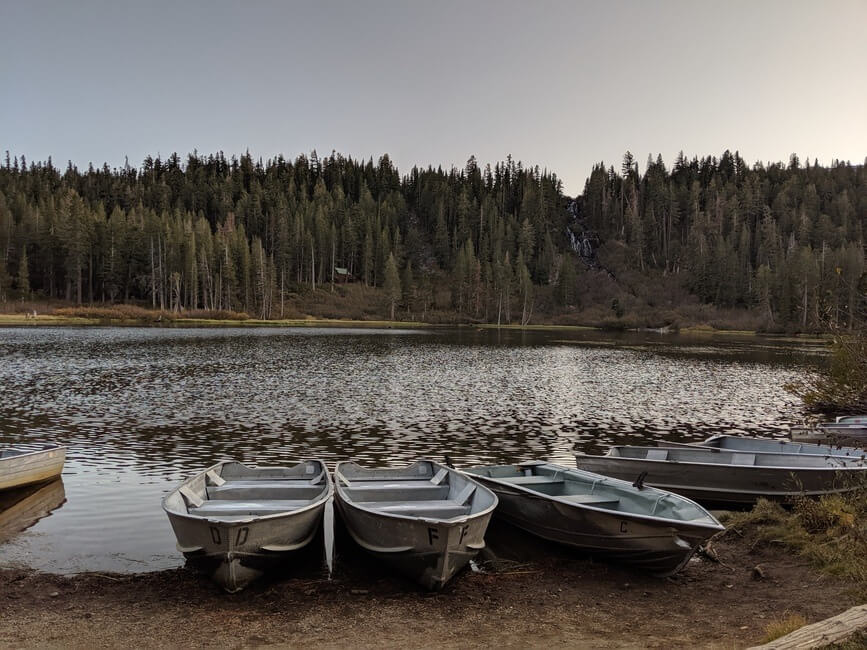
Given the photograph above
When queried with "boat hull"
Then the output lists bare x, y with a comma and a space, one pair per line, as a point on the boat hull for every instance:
428, 552
31, 468
724, 483
236, 553
662, 548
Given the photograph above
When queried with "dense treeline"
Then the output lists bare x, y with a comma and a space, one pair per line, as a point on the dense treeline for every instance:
487, 243
788, 240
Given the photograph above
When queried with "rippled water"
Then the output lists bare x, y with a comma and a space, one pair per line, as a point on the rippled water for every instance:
143, 408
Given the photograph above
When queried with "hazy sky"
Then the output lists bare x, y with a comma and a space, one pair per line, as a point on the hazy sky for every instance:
556, 84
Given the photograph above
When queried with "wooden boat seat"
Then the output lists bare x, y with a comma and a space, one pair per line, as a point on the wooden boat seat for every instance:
263, 490
219, 508
434, 509
531, 480
657, 454
391, 491
599, 500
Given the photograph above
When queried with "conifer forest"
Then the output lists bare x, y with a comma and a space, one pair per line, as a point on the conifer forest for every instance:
643, 245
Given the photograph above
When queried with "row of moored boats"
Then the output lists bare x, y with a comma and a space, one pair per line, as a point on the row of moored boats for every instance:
635, 504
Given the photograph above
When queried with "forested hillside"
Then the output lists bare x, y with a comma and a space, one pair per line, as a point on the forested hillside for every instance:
497, 244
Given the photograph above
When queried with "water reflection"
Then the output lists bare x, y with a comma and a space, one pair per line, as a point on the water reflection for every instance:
23, 507
142, 408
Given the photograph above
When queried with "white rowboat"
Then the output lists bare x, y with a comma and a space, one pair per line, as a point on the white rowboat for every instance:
20, 467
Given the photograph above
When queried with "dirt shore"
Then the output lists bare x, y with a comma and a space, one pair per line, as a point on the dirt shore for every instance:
533, 593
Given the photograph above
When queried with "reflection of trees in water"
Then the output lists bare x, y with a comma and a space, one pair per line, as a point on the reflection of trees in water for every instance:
23, 507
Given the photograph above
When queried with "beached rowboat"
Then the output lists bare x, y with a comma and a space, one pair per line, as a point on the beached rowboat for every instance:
652, 529
426, 520
234, 521
26, 466
713, 475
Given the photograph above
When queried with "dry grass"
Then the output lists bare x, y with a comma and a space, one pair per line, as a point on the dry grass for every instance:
830, 532
213, 314
114, 312
782, 626
141, 314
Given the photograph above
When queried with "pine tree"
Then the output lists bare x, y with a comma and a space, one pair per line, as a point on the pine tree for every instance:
391, 283
5, 281
409, 288
23, 275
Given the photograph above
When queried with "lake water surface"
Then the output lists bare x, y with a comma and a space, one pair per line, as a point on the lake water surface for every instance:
140, 409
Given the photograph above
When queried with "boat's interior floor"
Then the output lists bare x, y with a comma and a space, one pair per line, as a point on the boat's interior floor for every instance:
236, 498
411, 496
571, 491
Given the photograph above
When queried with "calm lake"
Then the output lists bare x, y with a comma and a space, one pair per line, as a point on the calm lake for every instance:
143, 408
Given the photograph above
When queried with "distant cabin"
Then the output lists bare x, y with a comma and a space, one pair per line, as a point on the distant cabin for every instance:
342, 275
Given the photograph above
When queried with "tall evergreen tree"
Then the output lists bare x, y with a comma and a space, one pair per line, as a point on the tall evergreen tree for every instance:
391, 283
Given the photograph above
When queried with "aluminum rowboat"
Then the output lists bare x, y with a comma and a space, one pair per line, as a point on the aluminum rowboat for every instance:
20, 467
719, 476
426, 520
652, 529
233, 521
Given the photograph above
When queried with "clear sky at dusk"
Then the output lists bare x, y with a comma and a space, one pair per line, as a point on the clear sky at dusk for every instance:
556, 84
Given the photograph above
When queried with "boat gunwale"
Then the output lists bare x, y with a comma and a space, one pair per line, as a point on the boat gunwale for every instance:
214, 519
32, 453
848, 468
714, 524
450, 522
671, 444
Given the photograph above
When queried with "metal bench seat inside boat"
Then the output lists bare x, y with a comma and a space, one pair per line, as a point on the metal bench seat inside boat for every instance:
532, 479
432, 509
384, 491
599, 501
269, 507
258, 490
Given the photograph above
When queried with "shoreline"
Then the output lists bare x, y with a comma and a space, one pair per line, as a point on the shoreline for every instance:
50, 320
540, 594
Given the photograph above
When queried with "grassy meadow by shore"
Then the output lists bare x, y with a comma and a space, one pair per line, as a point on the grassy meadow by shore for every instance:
362, 307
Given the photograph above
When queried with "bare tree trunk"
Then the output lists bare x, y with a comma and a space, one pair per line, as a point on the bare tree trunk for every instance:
313, 267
